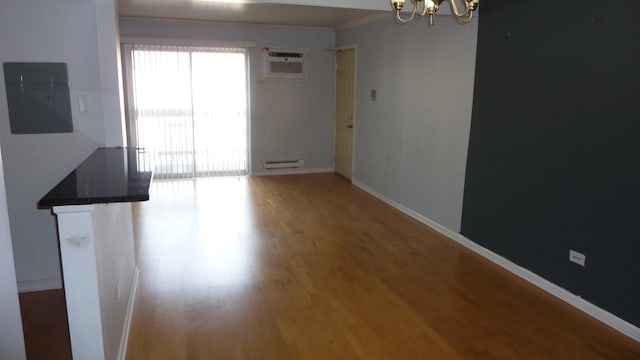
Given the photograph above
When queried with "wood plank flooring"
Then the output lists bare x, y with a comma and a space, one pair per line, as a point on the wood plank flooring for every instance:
310, 267
44, 322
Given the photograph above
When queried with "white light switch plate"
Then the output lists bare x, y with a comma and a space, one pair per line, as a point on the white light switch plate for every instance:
83, 103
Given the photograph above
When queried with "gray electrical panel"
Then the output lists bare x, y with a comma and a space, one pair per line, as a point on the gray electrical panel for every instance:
38, 98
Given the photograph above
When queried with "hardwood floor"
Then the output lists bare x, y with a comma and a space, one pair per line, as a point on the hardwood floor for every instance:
310, 267
44, 322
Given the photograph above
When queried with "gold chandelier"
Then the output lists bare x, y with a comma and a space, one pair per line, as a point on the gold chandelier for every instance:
429, 7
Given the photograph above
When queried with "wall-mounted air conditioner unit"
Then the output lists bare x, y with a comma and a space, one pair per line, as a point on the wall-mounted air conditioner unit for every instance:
284, 63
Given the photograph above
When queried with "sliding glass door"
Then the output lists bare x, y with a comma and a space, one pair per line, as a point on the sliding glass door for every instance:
188, 108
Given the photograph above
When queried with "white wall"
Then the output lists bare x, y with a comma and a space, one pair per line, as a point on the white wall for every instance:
290, 119
11, 338
411, 144
108, 41
60, 31
46, 31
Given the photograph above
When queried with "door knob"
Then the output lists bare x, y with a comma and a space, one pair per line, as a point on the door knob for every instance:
350, 126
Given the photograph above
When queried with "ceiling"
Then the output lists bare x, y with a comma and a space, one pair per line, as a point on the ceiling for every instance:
252, 13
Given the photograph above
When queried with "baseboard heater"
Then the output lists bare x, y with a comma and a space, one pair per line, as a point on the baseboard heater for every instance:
285, 164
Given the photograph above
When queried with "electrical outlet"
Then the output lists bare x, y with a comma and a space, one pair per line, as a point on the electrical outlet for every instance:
576, 257
118, 291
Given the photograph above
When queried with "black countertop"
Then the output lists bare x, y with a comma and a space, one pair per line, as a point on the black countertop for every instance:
108, 175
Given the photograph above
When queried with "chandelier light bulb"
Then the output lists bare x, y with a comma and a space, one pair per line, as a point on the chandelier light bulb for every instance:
397, 4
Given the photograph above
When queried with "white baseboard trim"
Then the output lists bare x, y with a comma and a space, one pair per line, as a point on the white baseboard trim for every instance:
39, 285
124, 340
302, 171
594, 311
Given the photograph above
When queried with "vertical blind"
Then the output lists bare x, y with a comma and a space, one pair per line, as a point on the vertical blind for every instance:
188, 109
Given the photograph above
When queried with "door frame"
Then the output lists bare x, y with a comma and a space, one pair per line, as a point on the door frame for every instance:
355, 103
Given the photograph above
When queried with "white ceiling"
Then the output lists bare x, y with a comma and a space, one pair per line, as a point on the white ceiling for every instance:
281, 12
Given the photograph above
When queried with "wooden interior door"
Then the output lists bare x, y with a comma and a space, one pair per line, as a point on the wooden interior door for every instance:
345, 86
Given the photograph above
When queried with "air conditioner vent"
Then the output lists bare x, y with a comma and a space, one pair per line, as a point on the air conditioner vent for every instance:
281, 54
285, 68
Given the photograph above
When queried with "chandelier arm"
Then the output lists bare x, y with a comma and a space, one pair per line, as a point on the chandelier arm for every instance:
424, 10
413, 14
456, 12
465, 20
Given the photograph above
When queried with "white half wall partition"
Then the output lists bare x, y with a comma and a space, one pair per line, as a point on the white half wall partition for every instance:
95, 228
96, 247
411, 141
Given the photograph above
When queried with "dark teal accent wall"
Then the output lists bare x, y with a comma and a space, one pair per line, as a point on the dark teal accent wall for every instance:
554, 151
